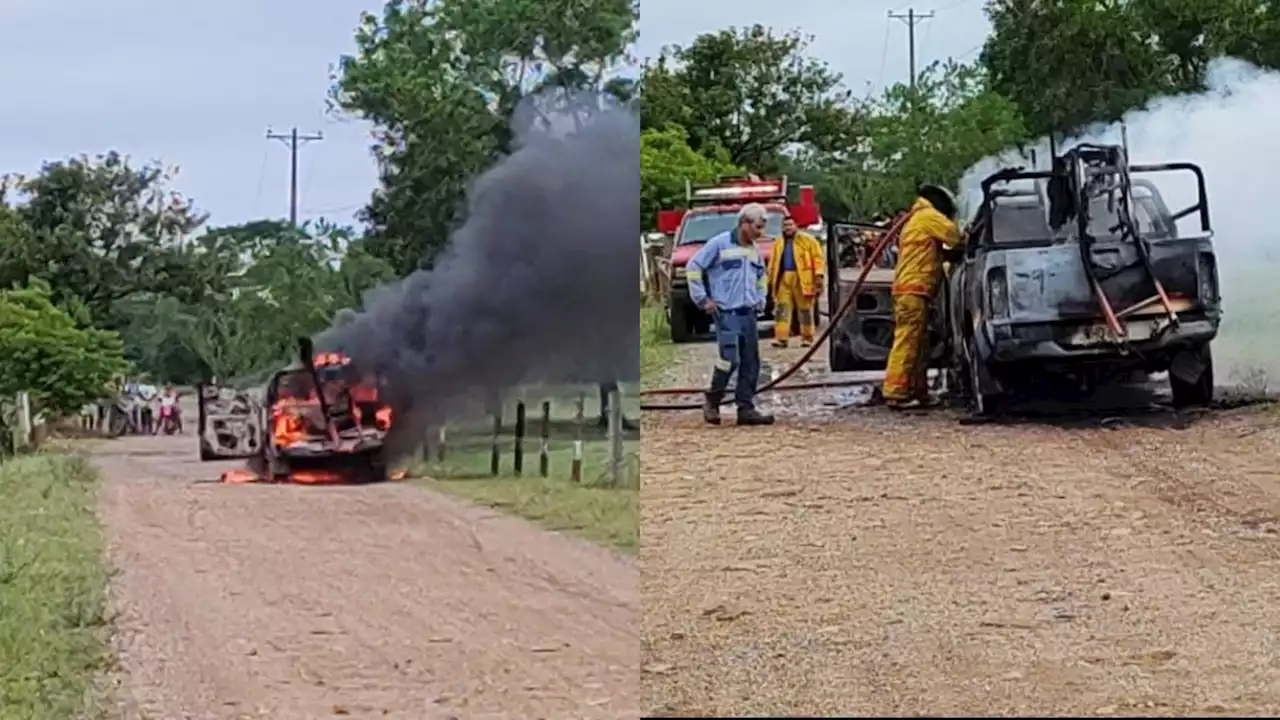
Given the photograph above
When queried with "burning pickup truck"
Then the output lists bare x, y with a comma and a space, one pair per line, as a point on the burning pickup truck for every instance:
713, 209
317, 421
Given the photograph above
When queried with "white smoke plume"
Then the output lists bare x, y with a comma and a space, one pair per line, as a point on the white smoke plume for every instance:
1230, 132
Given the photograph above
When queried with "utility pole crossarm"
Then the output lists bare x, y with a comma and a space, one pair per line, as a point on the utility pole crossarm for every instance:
293, 140
911, 18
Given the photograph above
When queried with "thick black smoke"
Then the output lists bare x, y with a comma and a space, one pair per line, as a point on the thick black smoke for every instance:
539, 285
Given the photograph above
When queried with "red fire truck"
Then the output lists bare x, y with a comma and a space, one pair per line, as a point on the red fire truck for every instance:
713, 209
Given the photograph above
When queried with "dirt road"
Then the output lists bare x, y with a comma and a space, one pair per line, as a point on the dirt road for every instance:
387, 601
862, 562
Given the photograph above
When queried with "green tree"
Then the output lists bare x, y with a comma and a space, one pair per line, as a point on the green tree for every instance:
97, 230
931, 133
1189, 34
45, 353
1069, 63
266, 283
666, 162
440, 80
752, 92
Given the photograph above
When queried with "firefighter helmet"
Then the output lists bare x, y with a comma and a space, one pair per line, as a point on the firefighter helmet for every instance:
940, 197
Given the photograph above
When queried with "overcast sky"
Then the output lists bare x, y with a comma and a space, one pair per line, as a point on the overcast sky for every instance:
197, 83
191, 83
855, 37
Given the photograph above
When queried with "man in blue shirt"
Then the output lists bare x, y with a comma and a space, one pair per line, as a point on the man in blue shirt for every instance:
727, 280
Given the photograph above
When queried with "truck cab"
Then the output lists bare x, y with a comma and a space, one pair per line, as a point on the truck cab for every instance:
713, 209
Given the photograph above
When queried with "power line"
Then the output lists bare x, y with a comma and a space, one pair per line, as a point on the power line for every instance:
884, 53
293, 141
911, 18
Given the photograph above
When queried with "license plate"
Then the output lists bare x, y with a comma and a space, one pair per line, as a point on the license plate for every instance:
1100, 333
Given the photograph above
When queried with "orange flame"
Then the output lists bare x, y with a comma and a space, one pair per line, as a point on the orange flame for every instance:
303, 477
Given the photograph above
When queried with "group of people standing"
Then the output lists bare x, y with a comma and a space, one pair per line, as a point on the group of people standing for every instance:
147, 403
729, 279
142, 403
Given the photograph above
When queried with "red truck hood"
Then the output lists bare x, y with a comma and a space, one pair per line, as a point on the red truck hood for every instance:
681, 255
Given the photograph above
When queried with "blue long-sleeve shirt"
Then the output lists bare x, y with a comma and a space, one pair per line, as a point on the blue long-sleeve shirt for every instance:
730, 273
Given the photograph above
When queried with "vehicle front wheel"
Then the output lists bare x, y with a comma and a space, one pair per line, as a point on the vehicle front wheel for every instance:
1196, 363
678, 317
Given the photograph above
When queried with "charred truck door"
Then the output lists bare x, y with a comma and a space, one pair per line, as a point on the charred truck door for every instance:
862, 339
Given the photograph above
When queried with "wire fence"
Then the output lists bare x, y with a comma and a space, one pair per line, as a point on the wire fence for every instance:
549, 437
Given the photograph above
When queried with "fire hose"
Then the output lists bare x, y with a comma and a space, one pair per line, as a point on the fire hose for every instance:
775, 385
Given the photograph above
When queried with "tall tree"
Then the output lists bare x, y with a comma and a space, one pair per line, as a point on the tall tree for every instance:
1069, 63
752, 92
666, 162
97, 230
440, 80
933, 132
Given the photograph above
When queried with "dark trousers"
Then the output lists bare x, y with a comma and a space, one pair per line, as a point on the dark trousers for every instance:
738, 340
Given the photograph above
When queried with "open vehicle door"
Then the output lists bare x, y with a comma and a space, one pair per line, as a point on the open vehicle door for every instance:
230, 423
861, 340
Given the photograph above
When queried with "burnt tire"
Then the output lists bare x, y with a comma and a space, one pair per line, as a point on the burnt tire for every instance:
1198, 392
374, 470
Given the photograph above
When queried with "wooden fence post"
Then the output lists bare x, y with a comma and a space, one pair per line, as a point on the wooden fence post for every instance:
544, 458
579, 421
497, 435
615, 436
518, 458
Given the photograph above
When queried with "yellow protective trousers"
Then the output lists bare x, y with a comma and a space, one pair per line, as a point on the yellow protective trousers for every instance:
906, 375
788, 296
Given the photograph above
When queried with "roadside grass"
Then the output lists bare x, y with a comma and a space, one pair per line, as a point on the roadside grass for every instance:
52, 589
656, 348
592, 509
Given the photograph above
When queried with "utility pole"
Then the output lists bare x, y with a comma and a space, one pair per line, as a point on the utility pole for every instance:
293, 140
911, 19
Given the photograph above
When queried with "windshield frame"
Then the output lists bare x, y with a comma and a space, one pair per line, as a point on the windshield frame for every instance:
773, 228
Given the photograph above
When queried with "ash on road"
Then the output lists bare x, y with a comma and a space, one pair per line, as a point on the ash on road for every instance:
861, 562
378, 601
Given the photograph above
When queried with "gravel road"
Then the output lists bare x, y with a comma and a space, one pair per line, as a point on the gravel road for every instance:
379, 601
862, 562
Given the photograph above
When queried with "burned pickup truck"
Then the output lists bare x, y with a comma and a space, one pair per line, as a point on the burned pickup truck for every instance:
317, 421
1078, 275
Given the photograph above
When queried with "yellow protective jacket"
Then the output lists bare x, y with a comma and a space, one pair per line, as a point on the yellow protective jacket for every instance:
919, 269
811, 262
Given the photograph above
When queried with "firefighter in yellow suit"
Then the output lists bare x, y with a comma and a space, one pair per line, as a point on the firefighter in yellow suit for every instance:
796, 269
928, 238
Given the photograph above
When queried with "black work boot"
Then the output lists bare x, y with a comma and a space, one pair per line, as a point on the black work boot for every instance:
751, 416
711, 409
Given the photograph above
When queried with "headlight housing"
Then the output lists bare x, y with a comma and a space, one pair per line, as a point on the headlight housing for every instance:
997, 293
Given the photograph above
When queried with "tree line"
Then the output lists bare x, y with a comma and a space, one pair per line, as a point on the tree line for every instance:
752, 99
104, 270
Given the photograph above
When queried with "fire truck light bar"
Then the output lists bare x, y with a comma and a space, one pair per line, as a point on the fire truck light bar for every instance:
740, 191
